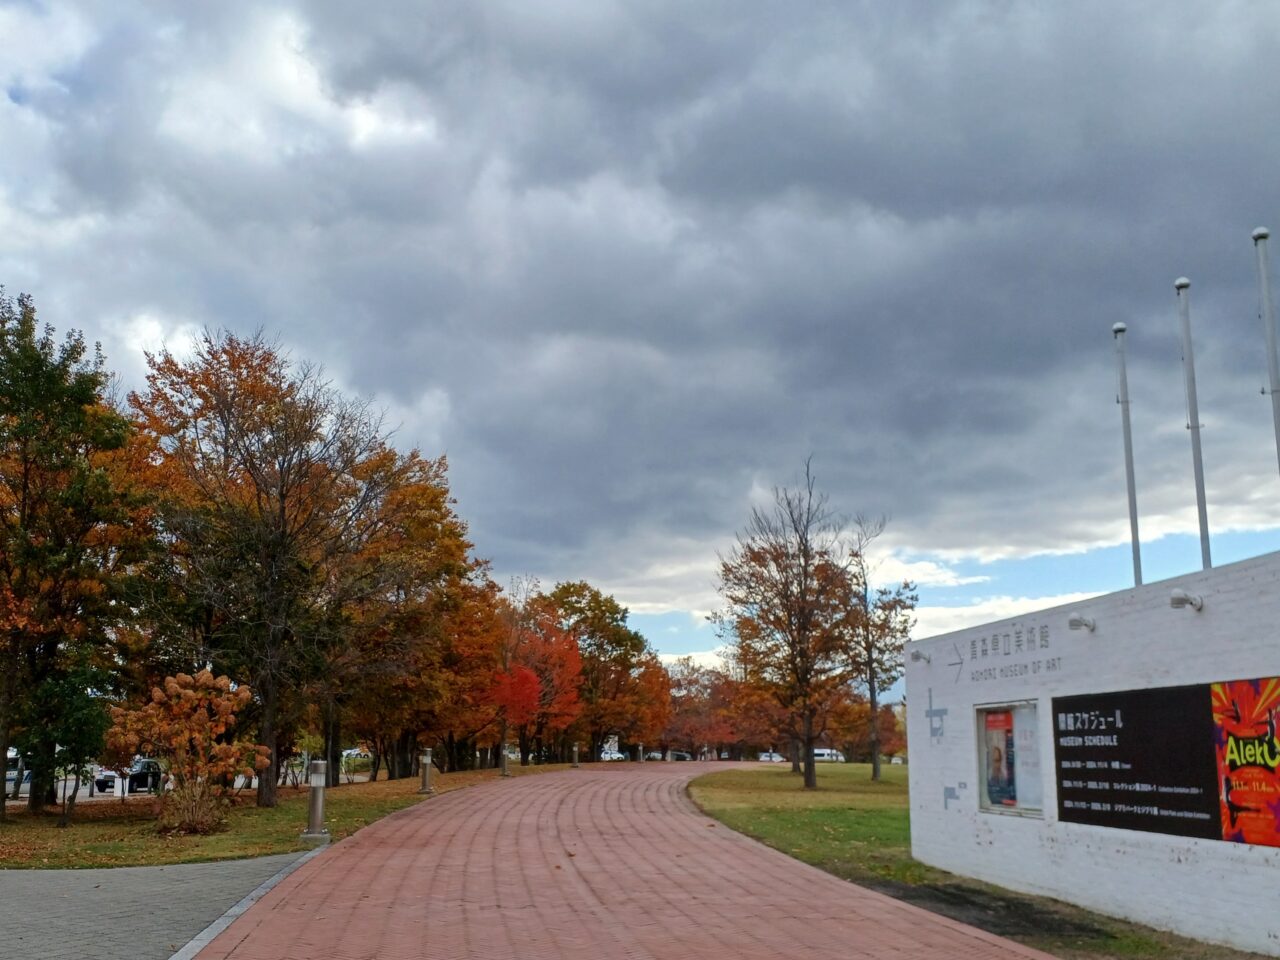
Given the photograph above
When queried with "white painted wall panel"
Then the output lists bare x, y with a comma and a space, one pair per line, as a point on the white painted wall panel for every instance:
1208, 889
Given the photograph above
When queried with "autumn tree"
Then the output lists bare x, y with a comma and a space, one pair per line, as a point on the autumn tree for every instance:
538, 680
473, 632
189, 722
69, 528
700, 713
851, 728
382, 640
268, 473
879, 622
785, 586
753, 713
647, 702
624, 690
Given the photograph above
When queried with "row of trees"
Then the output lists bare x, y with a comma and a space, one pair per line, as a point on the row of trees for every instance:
727, 711
241, 518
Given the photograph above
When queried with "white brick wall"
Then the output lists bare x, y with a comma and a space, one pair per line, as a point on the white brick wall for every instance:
1208, 889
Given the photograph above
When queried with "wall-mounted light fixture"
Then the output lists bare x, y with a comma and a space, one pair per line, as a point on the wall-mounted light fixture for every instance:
919, 655
1180, 598
1078, 622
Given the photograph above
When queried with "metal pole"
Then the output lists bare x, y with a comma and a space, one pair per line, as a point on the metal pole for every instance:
1269, 325
1182, 285
316, 831
425, 763
1122, 398
502, 759
575, 755
642, 753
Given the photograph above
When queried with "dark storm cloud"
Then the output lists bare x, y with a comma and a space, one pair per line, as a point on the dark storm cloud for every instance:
630, 264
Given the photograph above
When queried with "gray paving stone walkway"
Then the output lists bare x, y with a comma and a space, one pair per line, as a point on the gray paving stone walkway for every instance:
144, 913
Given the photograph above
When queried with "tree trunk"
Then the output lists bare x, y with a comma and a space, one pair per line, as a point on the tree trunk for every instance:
43, 789
875, 724
267, 732
332, 743
795, 756
404, 747
6, 709
69, 804
810, 769
526, 747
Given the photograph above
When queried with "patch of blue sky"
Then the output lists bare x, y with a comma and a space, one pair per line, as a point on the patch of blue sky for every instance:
1102, 570
676, 633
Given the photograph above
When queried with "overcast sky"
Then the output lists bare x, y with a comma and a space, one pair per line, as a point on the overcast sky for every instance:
629, 264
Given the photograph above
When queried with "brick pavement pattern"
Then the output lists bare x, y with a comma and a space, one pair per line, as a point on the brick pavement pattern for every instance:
604, 862
144, 913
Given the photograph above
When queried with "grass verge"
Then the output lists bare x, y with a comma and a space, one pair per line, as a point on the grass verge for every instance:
118, 833
860, 830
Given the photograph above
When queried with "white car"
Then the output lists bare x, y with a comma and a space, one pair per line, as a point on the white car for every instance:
612, 755
770, 757
826, 755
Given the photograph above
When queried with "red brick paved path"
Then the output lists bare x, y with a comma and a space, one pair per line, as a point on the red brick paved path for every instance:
599, 863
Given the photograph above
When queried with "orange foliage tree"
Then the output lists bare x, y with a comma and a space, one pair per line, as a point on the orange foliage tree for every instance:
545, 656
851, 729
474, 632
699, 717
754, 715
879, 623
189, 724
625, 692
386, 640
267, 474
787, 592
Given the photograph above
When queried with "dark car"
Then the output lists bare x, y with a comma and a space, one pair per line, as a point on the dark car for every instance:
143, 775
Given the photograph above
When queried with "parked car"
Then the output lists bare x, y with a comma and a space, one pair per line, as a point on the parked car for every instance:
11, 775
681, 755
653, 755
896, 761
355, 753
826, 755
770, 757
143, 775
612, 755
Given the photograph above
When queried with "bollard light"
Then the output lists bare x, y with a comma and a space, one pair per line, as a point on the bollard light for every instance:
425, 762
642, 753
316, 831
575, 755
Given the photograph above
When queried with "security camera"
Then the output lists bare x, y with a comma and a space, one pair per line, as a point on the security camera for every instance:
1180, 598
1078, 622
919, 655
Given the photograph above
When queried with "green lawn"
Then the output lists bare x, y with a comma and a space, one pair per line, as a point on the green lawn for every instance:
114, 833
860, 830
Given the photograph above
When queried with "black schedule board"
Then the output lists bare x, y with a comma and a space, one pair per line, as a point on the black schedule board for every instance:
1138, 759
